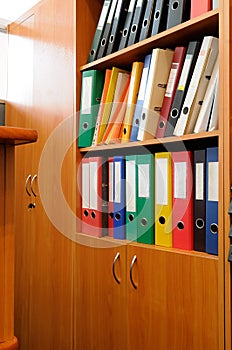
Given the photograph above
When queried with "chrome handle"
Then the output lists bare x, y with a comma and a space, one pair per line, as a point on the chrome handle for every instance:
26, 183
117, 256
131, 271
31, 185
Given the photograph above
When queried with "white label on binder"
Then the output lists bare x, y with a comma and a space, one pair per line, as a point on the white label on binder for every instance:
171, 80
103, 15
199, 182
213, 181
111, 182
85, 185
180, 180
131, 6
143, 180
117, 12
184, 72
142, 88
111, 14
93, 177
130, 186
161, 181
86, 95
118, 180
139, 3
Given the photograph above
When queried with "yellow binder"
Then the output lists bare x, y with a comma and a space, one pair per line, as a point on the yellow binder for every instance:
163, 199
136, 74
108, 102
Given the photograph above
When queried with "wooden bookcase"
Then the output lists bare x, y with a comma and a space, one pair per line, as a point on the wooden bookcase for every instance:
65, 293
183, 299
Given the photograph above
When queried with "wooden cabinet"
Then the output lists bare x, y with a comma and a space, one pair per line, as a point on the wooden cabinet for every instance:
165, 297
66, 296
41, 95
179, 300
9, 138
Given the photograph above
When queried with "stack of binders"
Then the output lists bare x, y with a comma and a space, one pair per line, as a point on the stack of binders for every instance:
169, 199
171, 93
125, 22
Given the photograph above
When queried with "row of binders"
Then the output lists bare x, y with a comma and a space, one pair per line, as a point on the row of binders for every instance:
173, 92
126, 22
167, 199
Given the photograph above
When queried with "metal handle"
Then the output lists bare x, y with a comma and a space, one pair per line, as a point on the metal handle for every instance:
131, 271
117, 256
31, 185
26, 183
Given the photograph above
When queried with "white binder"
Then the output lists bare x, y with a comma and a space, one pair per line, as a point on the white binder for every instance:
197, 87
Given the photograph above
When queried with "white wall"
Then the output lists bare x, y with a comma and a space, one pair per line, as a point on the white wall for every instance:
3, 65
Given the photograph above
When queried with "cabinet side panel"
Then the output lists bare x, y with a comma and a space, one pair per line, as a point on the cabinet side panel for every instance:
2, 246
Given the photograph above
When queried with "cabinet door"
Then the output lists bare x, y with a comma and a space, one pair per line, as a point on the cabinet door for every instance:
99, 301
175, 304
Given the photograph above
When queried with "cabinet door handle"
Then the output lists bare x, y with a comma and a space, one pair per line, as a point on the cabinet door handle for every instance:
26, 184
117, 257
131, 271
31, 185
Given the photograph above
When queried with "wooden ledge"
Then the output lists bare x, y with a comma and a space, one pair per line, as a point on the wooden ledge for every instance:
9, 344
16, 136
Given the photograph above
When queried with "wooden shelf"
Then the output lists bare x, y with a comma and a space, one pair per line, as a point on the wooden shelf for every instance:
194, 29
164, 141
109, 242
17, 136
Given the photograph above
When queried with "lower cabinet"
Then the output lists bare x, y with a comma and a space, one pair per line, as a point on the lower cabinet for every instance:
100, 298
163, 299
175, 304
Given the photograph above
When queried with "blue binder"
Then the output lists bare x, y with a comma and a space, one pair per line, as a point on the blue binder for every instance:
119, 198
141, 94
212, 200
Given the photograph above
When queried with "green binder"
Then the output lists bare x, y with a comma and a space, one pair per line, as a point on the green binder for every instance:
91, 91
145, 198
131, 198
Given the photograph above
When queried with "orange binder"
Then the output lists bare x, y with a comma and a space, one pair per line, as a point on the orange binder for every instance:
182, 203
108, 102
136, 73
118, 106
102, 106
114, 134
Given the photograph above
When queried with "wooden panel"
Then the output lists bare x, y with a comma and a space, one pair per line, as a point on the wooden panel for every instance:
44, 257
9, 242
175, 305
87, 14
2, 245
100, 302
225, 103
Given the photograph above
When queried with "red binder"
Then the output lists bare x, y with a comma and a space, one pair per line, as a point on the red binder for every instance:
176, 68
111, 197
198, 7
182, 204
92, 196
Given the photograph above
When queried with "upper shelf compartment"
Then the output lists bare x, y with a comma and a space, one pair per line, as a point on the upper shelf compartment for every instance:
206, 24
